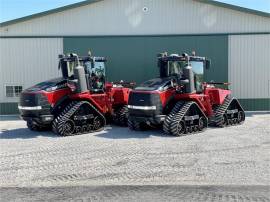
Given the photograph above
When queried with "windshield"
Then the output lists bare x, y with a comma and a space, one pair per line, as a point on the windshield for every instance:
67, 68
172, 67
70, 67
94, 69
176, 67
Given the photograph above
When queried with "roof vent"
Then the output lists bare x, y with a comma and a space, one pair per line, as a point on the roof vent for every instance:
145, 9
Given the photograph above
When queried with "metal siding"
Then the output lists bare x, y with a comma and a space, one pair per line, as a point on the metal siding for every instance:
249, 70
126, 17
27, 61
256, 104
134, 58
9, 108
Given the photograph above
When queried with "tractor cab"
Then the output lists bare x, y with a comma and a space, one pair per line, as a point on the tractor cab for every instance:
176, 67
83, 73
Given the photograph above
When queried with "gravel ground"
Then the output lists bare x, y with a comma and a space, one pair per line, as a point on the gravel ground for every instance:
139, 193
232, 156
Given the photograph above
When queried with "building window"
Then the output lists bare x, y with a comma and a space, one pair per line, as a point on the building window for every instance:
13, 91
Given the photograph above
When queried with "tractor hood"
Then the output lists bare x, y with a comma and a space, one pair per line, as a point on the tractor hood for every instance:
155, 84
49, 85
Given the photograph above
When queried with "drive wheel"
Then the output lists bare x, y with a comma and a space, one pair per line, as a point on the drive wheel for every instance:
180, 128
240, 117
68, 128
97, 123
202, 123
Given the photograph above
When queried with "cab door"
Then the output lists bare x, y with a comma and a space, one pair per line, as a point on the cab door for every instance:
96, 82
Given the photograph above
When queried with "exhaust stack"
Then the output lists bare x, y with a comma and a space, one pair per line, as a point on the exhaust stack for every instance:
79, 76
189, 78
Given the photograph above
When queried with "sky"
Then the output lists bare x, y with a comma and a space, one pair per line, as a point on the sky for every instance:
12, 9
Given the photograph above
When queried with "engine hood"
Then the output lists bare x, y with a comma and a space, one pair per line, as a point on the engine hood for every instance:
154, 84
49, 85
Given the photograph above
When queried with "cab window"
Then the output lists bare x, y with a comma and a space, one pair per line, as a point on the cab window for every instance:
198, 69
175, 68
97, 75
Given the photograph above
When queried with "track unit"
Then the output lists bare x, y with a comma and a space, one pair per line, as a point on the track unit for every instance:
79, 102
180, 101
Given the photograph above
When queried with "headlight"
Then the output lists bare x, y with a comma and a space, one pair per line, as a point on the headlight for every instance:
30, 108
142, 107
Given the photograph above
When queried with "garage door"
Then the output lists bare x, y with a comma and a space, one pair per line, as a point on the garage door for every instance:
249, 70
134, 58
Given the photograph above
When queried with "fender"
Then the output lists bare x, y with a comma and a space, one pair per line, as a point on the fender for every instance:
87, 97
59, 103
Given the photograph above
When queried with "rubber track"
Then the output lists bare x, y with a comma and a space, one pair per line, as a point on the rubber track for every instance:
65, 115
134, 125
170, 117
220, 111
120, 116
178, 117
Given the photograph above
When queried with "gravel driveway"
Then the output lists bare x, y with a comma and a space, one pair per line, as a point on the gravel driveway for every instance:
229, 156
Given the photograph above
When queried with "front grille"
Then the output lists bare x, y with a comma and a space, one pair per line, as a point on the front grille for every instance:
145, 99
34, 99
29, 100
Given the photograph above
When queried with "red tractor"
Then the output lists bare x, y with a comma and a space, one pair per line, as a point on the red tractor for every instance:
78, 102
180, 101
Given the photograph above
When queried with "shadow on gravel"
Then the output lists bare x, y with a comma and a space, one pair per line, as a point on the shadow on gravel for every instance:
111, 133
124, 133
24, 133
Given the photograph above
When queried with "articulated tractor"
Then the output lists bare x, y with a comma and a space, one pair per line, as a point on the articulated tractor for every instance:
180, 101
78, 102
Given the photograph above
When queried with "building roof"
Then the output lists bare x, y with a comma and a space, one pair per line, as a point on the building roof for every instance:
52, 11
86, 2
237, 8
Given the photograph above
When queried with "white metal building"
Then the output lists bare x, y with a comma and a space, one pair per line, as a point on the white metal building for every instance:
130, 33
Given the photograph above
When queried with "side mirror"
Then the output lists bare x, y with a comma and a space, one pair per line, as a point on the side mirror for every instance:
160, 55
60, 56
59, 65
207, 64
